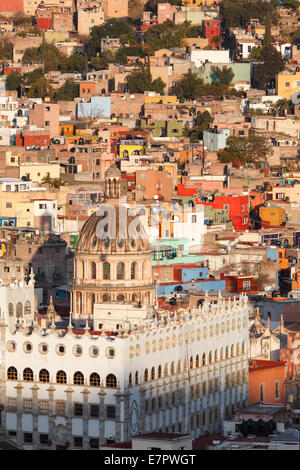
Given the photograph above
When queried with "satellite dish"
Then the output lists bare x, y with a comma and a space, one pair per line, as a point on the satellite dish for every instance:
155, 197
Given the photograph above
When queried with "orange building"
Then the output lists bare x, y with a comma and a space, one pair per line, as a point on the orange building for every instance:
266, 381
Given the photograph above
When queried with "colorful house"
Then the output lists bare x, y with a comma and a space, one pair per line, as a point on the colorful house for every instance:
266, 381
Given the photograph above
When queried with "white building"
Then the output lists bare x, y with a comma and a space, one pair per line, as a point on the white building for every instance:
199, 57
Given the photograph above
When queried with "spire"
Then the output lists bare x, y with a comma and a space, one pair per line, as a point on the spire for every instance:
52, 315
258, 327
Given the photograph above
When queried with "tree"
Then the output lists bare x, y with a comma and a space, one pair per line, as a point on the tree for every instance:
187, 88
202, 121
46, 53
166, 35
32, 77
74, 63
253, 149
238, 14
113, 28
6, 50
140, 80
272, 63
40, 89
223, 76
67, 92
13, 81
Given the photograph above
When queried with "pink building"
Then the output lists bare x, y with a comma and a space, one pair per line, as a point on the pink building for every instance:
165, 11
46, 115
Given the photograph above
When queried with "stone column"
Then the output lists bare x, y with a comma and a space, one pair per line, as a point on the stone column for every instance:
69, 415
20, 440
142, 420
52, 414
85, 417
35, 414
102, 395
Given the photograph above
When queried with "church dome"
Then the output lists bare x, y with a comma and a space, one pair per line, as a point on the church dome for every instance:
124, 232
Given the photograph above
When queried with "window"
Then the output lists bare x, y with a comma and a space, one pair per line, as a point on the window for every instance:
44, 439
12, 373
120, 270
133, 270
277, 389
246, 285
262, 392
94, 411
77, 441
94, 380
78, 378
60, 408
28, 437
44, 376
43, 406
8, 205
194, 219
287, 83
94, 443
61, 377
28, 375
77, 409
111, 411
47, 123
106, 271
111, 381
11, 403
27, 405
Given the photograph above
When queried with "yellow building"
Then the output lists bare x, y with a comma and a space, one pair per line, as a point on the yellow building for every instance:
274, 216
287, 84
37, 171
125, 151
156, 98
56, 36
198, 3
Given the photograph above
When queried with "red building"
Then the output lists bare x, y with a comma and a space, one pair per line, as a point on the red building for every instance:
266, 381
26, 138
11, 6
238, 206
130, 181
238, 284
44, 19
10, 68
211, 30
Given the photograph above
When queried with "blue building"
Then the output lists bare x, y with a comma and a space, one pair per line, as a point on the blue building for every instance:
98, 106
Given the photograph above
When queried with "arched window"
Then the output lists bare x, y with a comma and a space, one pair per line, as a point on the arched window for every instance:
106, 298
136, 378
203, 359
153, 373
191, 362
27, 375
179, 367
210, 360
79, 302
133, 270
120, 298
130, 380
106, 271
166, 370
19, 310
61, 377
120, 270
243, 347
27, 308
173, 368
111, 381
159, 372
227, 353
12, 373
94, 380
93, 270
10, 310
78, 378
44, 376
232, 351
146, 376
185, 366
197, 361
216, 355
